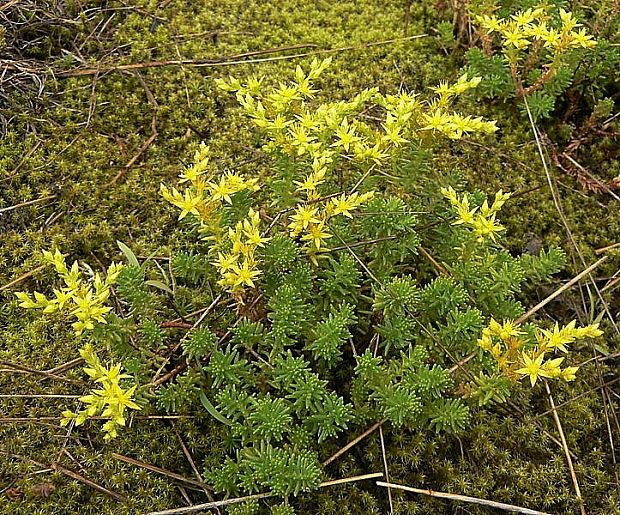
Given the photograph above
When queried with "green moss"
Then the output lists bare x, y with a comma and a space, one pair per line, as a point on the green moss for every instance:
85, 131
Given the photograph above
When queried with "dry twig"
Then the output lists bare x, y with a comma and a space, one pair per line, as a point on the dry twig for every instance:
464, 498
236, 500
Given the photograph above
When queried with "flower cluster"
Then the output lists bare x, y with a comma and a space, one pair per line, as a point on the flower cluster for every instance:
84, 299
332, 135
335, 129
311, 218
526, 28
204, 195
110, 401
518, 357
453, 125
238, 265
531, 36
481, 219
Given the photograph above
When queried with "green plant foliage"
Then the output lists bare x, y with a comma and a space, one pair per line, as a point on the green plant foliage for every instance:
540, 52
74, 139
199, 343
269, 370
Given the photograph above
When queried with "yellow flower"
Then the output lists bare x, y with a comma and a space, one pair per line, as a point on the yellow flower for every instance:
316, 235
558, 338
551, 367
491, 23
57, 259
568, 20
225, 262
222, 190
515, 38
279, 123
304, 216
568, 374
582, 39
393, 132
485, 343
523, 18
254, 238
110, 401
532, 368
486, 227
436, 121
312, 181
346, 203
346, 135
187, 202
300, 138
538, 31
244, 275
508, 330
551, 38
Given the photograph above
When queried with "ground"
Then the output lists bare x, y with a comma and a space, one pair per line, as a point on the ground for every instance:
97, 146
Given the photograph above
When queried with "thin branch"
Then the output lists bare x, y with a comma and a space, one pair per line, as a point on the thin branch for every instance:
162, 471
385, 469
602, 250
83, 479
233, 59
188, 455
67, 472
560, 290
22, 277
569, 460
236, 500
27, 203
38, 396
353, 442
23, 368
178, 62
464, 498
141, 151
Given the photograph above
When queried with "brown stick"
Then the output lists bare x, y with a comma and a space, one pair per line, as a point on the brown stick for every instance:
188, 455
82, 479
236, 500
179, 325
385, 469
227, 60
178, 62
176, 370
9, 4
65, 366
141, 151
22, 277
463, 498
29, 370
602, 250
162, 471
569, 460
27, 203
353, 442
35, 420
434, 262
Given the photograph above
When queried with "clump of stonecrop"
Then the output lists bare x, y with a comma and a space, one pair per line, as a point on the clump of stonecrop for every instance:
530, 53
517, 355
81, 297
111, 401
86, 298
338, 291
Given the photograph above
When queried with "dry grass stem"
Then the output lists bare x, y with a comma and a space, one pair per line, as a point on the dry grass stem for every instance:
464, 498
